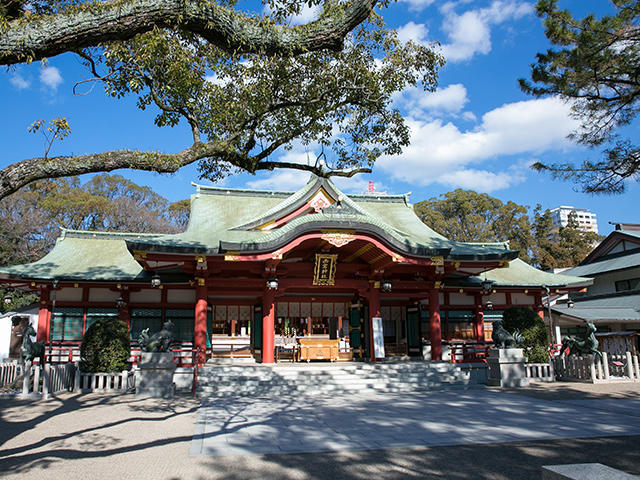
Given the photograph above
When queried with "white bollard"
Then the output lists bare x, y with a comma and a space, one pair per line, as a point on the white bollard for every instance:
605, 364
46, 380
629, 365
26, 379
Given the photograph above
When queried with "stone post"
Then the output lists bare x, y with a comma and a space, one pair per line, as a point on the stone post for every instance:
156, 375
506, 368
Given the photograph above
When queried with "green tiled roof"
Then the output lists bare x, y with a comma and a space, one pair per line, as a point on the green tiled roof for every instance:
521, 274
82, 256
221, 220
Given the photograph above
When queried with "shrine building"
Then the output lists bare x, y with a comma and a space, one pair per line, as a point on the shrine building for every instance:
255, 267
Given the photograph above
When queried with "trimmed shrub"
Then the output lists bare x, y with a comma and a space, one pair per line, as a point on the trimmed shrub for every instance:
105, 347
532, 328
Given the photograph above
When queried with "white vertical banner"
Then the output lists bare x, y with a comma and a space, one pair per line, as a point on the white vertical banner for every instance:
378, 337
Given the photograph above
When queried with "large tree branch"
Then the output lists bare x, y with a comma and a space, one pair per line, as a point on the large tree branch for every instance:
316, 169
50, 35
19, 174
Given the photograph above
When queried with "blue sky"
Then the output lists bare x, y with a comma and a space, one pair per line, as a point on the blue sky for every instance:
477, 131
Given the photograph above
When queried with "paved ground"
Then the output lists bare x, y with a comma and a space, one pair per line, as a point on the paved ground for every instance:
469, 434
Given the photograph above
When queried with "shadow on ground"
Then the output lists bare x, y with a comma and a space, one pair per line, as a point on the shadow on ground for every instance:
122, 436
505, 461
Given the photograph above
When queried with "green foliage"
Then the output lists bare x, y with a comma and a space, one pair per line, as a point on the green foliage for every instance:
258, 104
532, 328
563, 248
468, 216
18, 299
105, 346
595, 66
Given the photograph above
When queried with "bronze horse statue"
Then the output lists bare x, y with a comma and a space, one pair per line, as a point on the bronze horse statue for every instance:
576, 346
30, 349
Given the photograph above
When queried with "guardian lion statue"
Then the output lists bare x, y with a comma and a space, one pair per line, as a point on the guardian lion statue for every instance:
503, 339
158, 342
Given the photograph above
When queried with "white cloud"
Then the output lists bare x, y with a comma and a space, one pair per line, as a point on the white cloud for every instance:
469, 116
418, 4
308, 14
281, 180
50, 77
216, 80
19, 81
470, 32
441, 152
450, 99
417, 32
359, 184
481, 180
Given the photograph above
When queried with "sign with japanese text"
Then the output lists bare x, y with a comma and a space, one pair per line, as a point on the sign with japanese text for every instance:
324, 272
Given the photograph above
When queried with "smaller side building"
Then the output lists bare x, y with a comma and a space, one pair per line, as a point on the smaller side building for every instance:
612, 302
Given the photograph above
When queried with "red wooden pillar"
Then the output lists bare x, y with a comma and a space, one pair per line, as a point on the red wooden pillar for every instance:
124, 313
434, 325
538, 307
43, 317
478, 319
374, 311
268, 318
200, 325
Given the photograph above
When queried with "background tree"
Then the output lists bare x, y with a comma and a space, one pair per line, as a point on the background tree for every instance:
243, 107
468, 216
33, 216
595, 68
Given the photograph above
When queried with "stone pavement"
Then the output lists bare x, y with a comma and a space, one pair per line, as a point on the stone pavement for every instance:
379, 421
468, 434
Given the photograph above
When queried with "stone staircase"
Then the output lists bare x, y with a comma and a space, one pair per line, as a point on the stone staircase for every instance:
220, 380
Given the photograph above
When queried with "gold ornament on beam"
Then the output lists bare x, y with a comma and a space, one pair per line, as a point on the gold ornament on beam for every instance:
437, 261
338, 239
324, 272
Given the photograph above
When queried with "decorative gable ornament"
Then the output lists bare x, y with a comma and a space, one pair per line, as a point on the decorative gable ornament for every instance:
320, 201
338, 239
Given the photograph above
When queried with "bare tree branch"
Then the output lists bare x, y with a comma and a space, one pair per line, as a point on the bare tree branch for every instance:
28, 39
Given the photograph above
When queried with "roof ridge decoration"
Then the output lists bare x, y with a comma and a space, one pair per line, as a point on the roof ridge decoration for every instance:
318, 195
69, 233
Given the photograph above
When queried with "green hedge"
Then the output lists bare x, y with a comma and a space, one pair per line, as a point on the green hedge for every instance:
105, 346
532, 328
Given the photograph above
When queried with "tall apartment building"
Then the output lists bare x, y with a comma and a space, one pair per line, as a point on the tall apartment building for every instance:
587, 221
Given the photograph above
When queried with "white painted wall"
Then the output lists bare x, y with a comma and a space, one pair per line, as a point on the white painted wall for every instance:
461, 299
522, 299
605, 283
146, 296
181, 296
5, 328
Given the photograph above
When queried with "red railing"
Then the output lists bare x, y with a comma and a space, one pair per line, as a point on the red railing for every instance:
469, 352
67, 352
